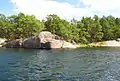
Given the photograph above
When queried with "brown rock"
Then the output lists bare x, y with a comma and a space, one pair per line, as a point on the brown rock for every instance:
50, 40
33, 42
56, 43
14, 44
45, 40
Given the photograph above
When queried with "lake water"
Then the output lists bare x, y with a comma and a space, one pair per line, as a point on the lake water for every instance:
83, 64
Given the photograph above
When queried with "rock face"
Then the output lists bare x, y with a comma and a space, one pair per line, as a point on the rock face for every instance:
45, 40
2, 41
48, 40
110, 43
69, 45
33, 42
14, 44
54, 41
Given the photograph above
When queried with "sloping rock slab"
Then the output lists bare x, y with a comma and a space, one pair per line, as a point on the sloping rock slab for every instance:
45, 40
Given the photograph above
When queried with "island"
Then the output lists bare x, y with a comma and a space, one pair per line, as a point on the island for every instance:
26, 31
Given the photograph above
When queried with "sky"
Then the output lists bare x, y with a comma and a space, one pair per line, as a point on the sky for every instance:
6, 7
66, 9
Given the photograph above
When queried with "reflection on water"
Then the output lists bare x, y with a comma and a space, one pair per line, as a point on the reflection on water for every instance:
84, 64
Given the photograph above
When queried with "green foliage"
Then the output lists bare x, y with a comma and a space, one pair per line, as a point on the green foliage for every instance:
85, 31
19, 26
58, 26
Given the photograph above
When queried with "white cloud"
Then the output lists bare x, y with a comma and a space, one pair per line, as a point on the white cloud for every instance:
103, 7
41, 8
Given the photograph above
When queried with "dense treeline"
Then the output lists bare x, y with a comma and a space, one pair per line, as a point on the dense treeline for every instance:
86, 30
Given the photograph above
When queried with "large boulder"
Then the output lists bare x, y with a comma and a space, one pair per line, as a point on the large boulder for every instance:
49, 40
46, 36
45, 40
32, 42
56, 43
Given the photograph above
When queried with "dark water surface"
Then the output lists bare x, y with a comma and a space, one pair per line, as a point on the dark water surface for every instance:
84, 64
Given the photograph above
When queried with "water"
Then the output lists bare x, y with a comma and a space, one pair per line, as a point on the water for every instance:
84, 64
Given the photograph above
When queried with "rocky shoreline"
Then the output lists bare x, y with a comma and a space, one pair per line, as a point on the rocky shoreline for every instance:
45, 40
110, 43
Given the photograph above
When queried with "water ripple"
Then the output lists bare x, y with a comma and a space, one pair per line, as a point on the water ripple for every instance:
85, 64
